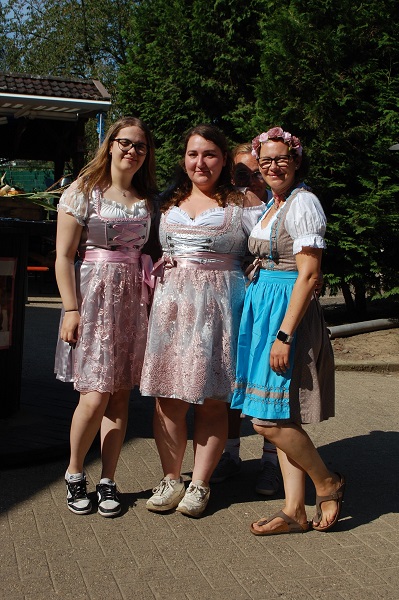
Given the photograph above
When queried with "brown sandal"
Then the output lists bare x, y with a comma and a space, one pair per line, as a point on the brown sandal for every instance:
338, 496
289, 525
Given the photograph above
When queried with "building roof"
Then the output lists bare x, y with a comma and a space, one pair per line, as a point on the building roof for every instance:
35, 96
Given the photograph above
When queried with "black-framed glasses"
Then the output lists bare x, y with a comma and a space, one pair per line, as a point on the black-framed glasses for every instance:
281, 161
125, 145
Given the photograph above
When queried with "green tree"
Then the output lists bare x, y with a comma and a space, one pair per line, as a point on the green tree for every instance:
67, 38
190, 61
330, 72
82, 38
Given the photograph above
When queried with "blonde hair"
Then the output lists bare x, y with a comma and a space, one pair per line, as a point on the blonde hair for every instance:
245, 148
97, 173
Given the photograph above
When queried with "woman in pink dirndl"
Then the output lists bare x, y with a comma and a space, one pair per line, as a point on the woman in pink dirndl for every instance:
105, 216
191, 347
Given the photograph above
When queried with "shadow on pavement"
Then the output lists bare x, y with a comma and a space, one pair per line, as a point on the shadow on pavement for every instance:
368, 461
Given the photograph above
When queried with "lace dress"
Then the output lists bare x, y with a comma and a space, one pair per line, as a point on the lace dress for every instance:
112, 295
305, 393
198, 299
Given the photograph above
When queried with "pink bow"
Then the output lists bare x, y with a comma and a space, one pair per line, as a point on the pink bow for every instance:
165, 262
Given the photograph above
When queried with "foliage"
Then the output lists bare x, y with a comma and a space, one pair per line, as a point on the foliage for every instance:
81, 38
327, 70
190, 61
67, 38
330, 74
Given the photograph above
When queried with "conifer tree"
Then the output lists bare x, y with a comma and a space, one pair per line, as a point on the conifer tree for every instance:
330, 72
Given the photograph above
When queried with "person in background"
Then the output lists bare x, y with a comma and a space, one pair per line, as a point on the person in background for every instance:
285, 363
246, 175
191, 345
105, 216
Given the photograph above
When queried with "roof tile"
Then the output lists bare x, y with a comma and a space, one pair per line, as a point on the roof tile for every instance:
60, 87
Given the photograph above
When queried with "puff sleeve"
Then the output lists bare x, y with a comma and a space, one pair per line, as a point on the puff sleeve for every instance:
74, 203
306, 222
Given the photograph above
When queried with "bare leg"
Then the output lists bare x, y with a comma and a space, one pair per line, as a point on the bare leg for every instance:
297, 445
210, 434
86, 422
294, 487
113, 431
170, 432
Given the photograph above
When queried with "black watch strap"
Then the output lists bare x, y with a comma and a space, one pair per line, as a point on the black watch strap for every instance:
284, 337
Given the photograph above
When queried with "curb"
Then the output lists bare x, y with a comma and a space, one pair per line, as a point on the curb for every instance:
370, 367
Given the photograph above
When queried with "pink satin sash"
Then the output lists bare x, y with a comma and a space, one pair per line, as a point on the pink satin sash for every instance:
208, 261
133, 256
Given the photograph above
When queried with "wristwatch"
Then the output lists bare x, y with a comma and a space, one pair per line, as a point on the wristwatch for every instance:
284, 337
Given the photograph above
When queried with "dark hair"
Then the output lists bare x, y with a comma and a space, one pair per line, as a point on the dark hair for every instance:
98, 171
225, 192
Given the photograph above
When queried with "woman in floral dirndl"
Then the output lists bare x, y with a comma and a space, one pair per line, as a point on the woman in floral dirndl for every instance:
105, 216
191, 347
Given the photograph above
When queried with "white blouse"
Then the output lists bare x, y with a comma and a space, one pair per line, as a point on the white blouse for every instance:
305, 222
214, 217
75, 203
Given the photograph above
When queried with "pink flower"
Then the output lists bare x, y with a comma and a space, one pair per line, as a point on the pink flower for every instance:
276, 133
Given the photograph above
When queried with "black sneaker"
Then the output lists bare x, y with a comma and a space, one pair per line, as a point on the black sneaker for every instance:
108, 501
77, 499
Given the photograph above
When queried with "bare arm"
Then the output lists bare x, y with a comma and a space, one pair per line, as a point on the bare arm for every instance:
68, 236
308, 263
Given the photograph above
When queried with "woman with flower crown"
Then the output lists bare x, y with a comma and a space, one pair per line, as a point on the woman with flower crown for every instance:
285, 366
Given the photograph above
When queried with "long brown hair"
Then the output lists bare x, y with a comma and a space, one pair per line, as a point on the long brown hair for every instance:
225, 191
97, 173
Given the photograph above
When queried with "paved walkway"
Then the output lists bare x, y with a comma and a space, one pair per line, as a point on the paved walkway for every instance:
46, 552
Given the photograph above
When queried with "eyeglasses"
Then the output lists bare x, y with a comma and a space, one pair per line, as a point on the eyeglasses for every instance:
125, 145
281, 161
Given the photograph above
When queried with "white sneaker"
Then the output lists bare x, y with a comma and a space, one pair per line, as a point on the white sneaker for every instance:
195, 500
109, 504
166, 495
77, 499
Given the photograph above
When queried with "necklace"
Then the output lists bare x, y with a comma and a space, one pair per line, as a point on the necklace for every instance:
123, 192
278, 201
280, 198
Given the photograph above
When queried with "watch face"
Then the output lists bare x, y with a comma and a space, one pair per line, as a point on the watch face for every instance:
284, 337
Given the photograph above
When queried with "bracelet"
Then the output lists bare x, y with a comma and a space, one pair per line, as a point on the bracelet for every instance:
72, 310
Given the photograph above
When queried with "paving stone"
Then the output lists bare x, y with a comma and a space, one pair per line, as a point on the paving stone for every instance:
46, 552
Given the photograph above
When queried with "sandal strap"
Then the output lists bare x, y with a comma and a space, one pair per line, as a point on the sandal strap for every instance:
293, 525
337, 496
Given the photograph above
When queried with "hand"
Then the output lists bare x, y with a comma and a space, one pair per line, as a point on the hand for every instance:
279, 357
69, 327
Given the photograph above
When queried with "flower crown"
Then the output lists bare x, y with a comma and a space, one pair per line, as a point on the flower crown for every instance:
275, 133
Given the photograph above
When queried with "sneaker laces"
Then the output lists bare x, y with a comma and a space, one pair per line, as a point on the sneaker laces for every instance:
78, 489
108, 491
162, 486
197, 490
